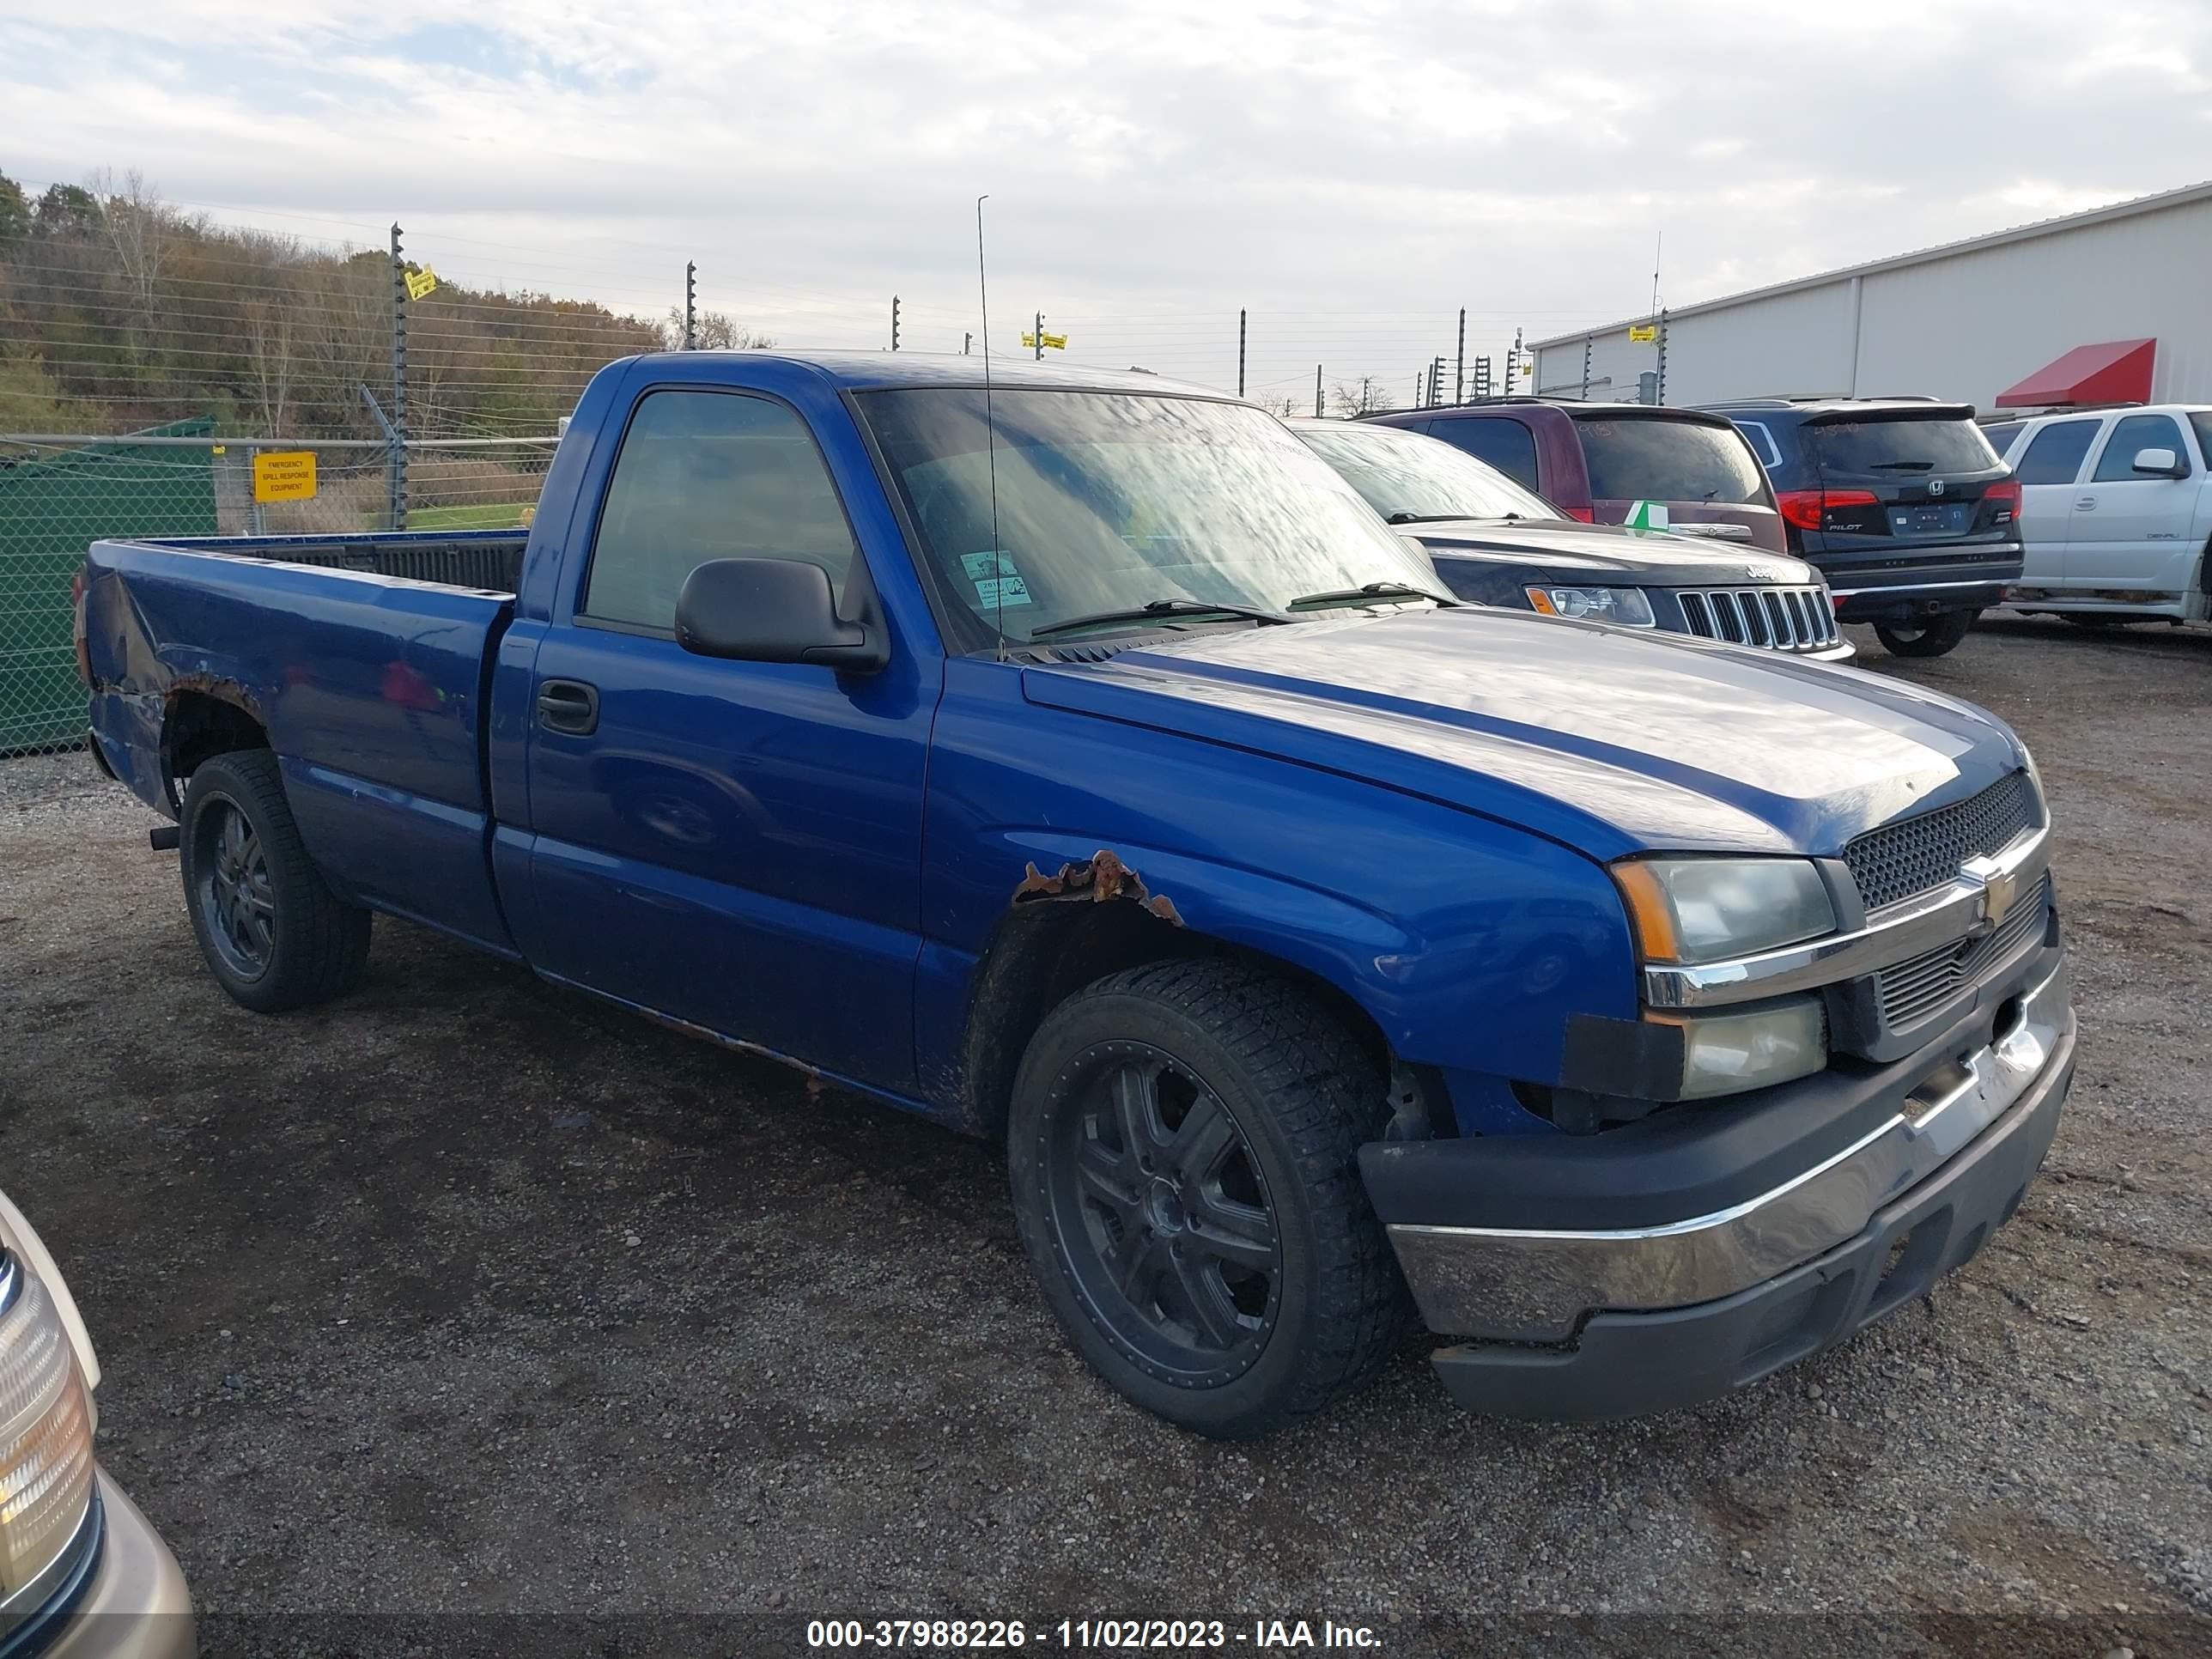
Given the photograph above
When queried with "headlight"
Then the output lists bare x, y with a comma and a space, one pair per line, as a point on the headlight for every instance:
1699, 909
1625, 605
46, 1429
1749, 1049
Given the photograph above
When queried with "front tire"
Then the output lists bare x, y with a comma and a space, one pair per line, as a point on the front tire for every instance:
274, 934
1932, 638
1183, 1147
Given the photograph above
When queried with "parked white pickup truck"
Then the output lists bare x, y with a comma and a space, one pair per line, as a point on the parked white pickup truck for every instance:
2116, 512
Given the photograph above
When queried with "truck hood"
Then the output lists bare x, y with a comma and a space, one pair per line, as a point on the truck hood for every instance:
1606, 740
1565, 550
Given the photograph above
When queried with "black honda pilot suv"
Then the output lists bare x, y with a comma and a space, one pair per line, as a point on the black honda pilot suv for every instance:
1902, 504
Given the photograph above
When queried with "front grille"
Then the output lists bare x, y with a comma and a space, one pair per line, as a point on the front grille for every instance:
1920, 855
1910, 989
1775, 618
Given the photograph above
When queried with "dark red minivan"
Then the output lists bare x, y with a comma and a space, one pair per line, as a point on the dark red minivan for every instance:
1596, 461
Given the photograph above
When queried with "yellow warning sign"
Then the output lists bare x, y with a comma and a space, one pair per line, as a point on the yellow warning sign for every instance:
421, 282
1643, 333
287, 475
1056, 341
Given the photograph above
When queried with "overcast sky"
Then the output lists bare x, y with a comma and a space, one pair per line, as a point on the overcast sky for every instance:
1354, 173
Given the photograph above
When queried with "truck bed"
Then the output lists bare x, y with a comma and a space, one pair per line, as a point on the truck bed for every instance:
482, 561
365, 660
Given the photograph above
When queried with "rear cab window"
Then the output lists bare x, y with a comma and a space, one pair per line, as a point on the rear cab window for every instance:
1661, 458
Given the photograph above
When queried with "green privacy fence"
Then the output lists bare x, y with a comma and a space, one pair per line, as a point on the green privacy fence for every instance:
52, 505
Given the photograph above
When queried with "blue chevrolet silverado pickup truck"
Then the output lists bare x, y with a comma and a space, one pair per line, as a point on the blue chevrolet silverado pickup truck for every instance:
1074, 758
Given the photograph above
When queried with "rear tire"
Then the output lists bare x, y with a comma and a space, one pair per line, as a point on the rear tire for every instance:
1183, 1148
274, 934
1937, 635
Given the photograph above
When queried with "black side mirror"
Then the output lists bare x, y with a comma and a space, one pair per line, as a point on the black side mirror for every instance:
774, 611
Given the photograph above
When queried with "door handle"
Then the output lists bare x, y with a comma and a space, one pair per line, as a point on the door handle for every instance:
569, 706
2083, 503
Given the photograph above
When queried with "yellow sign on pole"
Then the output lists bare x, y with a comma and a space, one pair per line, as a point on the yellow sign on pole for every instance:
1643, 333
1055, 342
421, 282
284, 475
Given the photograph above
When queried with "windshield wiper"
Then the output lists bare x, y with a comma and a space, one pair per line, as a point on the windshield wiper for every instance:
1447, 518
1362, 594
1158, 609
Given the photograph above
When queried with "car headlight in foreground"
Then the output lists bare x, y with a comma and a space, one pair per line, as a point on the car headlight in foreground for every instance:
1692, 910
1628, 606
45, 1437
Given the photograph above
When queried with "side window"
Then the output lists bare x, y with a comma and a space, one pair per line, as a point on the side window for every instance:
1503, 441
2132, 432
2054, 454
709, 474
2001, 434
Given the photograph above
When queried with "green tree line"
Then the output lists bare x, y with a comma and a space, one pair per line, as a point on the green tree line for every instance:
118, 311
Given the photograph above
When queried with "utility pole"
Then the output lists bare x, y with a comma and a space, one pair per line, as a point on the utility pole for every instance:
1586, 366
399, 466
690, 305
967, 341
1316, 391
1661, 396
894, 322
1418, 404
1241, 315
1459, 363
1039, 336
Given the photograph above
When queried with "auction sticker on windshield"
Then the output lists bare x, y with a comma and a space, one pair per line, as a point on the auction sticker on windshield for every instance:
997, 582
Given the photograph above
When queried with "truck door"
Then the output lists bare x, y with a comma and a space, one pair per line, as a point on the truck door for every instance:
2129, 529
734, 844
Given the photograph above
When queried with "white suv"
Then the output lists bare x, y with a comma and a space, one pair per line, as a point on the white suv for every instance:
2116, 511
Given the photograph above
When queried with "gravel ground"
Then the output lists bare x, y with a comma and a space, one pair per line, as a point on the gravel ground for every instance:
466, 1295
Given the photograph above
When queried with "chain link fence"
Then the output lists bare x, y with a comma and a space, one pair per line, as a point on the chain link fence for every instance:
60, 492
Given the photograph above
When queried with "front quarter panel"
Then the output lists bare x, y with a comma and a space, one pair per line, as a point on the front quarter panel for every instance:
1468, 942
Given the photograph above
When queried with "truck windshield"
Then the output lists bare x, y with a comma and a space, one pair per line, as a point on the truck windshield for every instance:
1107, 501
1408, 478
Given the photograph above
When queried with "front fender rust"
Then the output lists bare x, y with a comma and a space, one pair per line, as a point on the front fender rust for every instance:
1101, 877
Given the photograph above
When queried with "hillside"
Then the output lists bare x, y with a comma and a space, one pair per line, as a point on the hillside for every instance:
118, 312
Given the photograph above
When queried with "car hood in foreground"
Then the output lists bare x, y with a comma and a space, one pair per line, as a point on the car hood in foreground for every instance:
1565, 550
1608, 739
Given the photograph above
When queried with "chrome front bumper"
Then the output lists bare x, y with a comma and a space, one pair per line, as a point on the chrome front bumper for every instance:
1540, 1285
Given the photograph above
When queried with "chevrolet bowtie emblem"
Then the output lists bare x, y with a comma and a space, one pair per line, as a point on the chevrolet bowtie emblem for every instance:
2000, 890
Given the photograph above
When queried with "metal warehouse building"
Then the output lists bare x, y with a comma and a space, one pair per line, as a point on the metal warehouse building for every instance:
1966, 321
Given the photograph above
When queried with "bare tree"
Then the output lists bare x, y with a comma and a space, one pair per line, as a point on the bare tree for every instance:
712, 330
1365, 399
137, 227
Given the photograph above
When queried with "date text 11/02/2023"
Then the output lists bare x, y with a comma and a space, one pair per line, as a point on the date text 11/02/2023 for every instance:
1169, 1635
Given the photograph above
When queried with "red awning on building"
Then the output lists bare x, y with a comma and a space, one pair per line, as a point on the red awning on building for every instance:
2118, 372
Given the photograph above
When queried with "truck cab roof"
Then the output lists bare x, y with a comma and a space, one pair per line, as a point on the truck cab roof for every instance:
879, 371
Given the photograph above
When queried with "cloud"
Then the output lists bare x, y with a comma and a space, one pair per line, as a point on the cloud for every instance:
1351, 173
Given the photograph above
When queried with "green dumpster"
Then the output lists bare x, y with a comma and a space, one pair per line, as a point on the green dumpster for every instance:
51, 507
